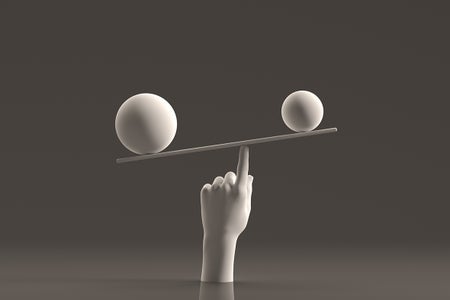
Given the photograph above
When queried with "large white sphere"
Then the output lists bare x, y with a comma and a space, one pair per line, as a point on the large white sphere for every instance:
146, 123
302, 111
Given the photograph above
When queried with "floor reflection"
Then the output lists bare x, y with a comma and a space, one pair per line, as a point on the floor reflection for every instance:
216, 291
136, 275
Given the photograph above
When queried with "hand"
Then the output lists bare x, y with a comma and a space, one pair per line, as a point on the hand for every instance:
226, 204
225, 208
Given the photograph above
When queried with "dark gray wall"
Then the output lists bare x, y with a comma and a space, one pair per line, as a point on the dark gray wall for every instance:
381, 71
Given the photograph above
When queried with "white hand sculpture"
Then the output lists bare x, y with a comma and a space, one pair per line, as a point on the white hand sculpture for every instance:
225, 206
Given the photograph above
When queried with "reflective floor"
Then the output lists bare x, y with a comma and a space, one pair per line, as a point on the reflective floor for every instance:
260, 273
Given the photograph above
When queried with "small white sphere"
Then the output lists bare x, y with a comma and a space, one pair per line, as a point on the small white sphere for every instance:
146, 123
302, 111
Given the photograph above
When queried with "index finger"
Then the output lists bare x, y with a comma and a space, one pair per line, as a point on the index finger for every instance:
242, 167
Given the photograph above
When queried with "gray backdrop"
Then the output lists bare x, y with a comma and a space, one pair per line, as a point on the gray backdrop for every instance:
381, 71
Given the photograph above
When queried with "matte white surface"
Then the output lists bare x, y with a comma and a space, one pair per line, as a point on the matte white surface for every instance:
225, 208
146, 123
302, 111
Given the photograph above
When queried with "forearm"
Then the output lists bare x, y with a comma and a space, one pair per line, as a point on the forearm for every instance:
218, 258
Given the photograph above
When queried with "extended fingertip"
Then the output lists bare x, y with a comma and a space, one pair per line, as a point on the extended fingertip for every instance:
243, 166
244, 152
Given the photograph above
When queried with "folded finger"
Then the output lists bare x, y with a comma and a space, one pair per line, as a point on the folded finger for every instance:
230, 178
217, 182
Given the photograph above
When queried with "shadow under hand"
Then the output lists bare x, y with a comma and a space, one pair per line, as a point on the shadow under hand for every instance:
216, 291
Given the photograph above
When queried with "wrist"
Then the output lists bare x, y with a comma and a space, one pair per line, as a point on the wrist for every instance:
218, 258
223, 239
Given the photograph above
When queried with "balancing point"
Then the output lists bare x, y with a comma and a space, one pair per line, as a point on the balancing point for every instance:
302, 111
146, 123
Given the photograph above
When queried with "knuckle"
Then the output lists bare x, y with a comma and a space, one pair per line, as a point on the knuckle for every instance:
217, 182
206, 188
229, 174
230, 177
